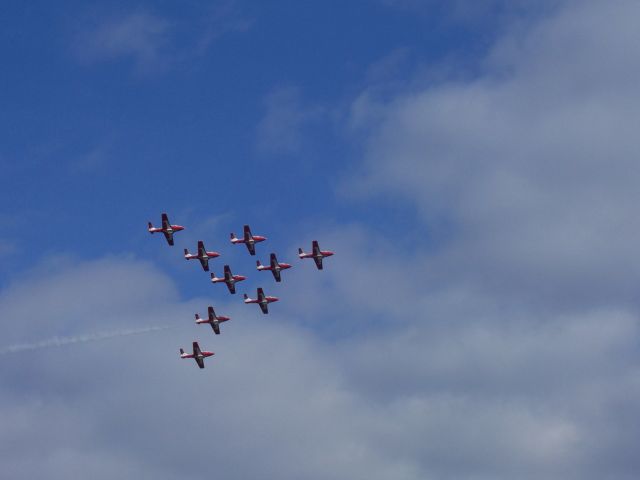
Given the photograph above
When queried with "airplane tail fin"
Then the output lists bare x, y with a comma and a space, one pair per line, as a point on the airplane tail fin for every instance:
258, 264
233, 236
246, 297
300, 252
186, 252
149, 226
197, 317
181, 351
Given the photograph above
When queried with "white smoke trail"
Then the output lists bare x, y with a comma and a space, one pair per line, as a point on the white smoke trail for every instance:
91, 337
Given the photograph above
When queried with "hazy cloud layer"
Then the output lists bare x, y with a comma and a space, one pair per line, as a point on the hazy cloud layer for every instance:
440, 394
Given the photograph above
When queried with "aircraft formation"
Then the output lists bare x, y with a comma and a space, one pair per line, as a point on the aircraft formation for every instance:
203, 256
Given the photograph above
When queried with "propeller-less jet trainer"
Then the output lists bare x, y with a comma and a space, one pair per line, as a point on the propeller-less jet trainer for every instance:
167, 229
262, 300
198, 355
202, 255
316, 254
274, 266
214, 320
229, 278
248, 239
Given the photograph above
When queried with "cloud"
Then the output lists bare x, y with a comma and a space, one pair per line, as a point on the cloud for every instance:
532, 164
283, 126
141, 37
153, 43
441, 395
222, 18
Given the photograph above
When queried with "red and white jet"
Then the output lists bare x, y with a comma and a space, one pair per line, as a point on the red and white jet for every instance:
316, 254
167, 229
198, 355
274, 266
262, 300
248, 239
229, 278
202, 255
214, 320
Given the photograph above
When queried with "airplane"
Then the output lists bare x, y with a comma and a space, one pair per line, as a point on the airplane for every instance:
274, 266
316, 254
262, 300
214, 320
167, 229
228, 278
202, 255
248, 239
198, 355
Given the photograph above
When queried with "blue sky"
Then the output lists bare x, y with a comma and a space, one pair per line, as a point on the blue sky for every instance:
472, 164
106, 134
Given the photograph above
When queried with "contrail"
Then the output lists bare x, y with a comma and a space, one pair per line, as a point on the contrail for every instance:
91, 337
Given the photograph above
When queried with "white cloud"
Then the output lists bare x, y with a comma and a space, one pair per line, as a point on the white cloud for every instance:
140, 36
439, 394
533, 163
153, 43
286, 117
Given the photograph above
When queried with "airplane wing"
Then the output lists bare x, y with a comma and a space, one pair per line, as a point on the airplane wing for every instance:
264, 307
260, 295
169, 237
318, 261
231, 287
165, 222
273, 260
316, 247
196, 349
212, 313
201, 250
227, 273
216, 327
200, 362
276, 275
252, 248
247, 233
204, 261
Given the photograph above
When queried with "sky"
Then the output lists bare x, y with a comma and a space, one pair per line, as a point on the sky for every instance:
473, 165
